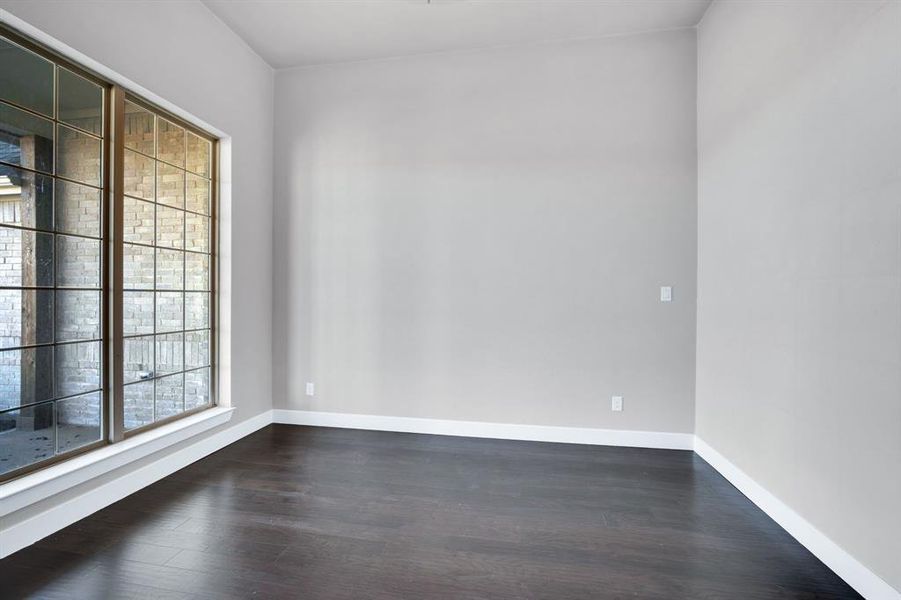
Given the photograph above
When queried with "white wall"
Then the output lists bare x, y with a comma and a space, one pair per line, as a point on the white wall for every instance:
482, 236
185, 55
799, 302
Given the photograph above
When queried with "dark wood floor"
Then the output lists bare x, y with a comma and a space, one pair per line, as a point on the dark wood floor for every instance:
297, 512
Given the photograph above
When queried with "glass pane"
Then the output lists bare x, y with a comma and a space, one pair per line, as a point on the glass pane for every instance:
170, 143
197, 194
170, 397
78, 156
80, 102
138, 403
197, 310
139, 176
197, 349
197, 389
138, 129
198, 154
77, 315
138, 221
77, 209
137, 267
77, 368
26, 198
170, 269
28, 436
25, 318
170, 185
138, 358
197, 233
197, 271
170, 353
26, 258
25, 376
137, 313
170, 227
77, 262
78, 421
25, 139
26, 79
169, 311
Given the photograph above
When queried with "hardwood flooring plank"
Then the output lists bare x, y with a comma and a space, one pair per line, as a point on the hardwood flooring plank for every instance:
317, 513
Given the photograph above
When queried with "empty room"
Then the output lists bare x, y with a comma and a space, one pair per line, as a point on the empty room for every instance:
450, 299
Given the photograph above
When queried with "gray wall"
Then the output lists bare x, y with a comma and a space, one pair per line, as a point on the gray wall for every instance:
482, 236
799, 301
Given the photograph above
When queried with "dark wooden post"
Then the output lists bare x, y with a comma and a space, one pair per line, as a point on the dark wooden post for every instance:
37, 365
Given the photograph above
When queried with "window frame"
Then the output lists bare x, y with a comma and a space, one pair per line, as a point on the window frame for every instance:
112, 197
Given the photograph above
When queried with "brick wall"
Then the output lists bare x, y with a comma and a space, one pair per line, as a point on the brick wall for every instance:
10, 301
78, 366
69, 260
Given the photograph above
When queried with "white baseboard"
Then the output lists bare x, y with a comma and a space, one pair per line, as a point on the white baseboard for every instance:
867, 583
28, 531
501, 431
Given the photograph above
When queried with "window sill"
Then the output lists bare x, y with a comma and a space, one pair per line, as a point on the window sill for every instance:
37, 486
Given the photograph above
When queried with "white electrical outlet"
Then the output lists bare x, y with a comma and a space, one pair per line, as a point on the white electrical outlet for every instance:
616, 404
311, 389
666, 293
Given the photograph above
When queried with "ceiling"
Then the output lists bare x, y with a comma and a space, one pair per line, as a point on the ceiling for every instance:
312, 32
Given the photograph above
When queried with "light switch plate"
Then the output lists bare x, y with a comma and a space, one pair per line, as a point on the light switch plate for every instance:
666, 293
311, 389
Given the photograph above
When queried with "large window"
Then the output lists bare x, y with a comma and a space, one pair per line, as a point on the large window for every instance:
107, 261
